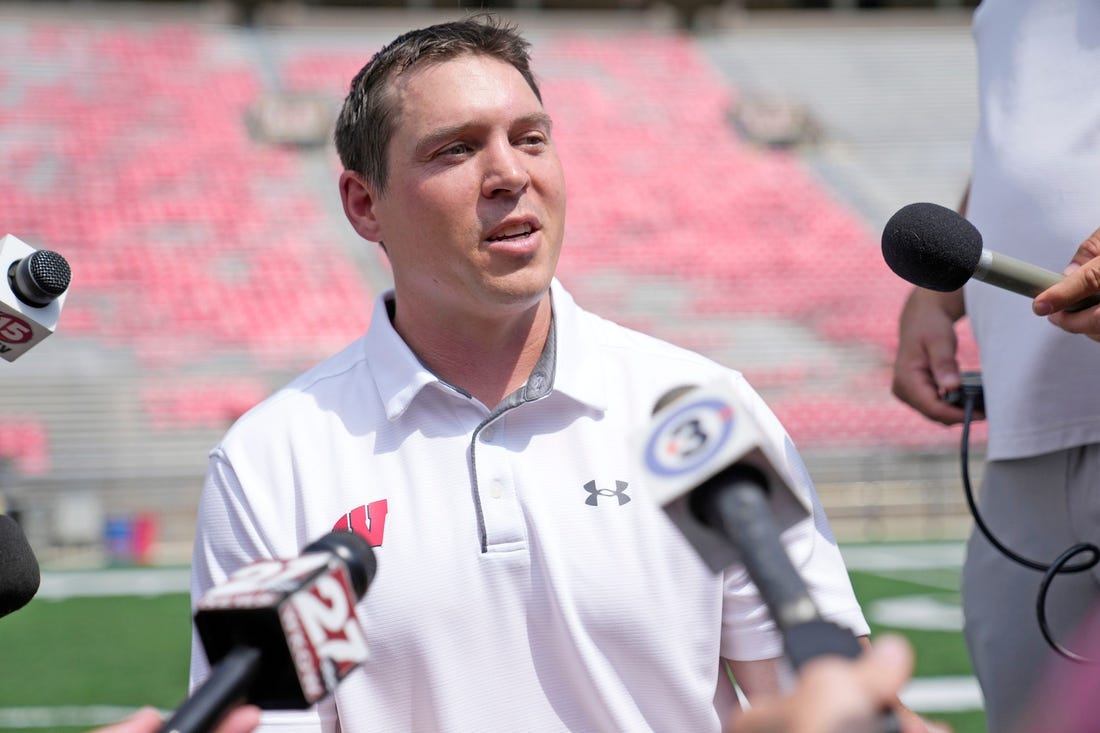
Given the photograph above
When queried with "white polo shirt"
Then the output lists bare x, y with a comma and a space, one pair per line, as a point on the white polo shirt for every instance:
525, 581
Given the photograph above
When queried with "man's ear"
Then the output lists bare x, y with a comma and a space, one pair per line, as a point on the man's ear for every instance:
359, 201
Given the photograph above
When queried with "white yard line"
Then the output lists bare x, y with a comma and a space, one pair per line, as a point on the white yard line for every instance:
942, 695
887, 557
57, 585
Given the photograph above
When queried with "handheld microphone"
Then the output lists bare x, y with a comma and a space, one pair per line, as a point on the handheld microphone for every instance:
696, 435
19, 572
281, 634
31, 296
710, 464
736, 503
936, 248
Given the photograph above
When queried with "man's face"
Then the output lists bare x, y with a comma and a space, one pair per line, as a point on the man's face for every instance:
474, 211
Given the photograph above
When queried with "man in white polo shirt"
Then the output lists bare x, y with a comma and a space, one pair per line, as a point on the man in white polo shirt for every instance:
479, 436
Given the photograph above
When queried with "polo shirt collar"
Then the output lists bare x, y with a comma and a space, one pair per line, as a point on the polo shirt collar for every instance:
398, 373
568, 363
580, 371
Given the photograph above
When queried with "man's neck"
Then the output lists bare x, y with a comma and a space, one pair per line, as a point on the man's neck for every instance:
487, 358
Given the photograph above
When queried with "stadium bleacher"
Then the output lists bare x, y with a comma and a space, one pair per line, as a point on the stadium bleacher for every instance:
23, 442
210, 266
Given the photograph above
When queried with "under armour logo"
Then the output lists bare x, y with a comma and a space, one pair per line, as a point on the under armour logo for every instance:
619, 492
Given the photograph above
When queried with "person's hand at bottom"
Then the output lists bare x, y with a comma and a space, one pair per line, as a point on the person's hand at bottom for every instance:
242, 719
837, 695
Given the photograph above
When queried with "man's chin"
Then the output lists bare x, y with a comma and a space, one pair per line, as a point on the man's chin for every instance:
521, 286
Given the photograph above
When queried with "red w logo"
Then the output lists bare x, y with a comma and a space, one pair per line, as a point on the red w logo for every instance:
368, 521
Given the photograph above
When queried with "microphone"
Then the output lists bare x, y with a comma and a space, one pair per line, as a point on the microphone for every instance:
936, 248
710, 464
696, 435
19, 573
736, 503
281, 634
31, 297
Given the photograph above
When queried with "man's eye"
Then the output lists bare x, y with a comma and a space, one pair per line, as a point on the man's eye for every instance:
534, 139
455, 149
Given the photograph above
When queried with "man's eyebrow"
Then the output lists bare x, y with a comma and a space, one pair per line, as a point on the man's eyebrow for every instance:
433, 138
539, 119
439, 135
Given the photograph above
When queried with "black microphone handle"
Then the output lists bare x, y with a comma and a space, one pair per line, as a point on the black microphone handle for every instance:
226, 687
735, 502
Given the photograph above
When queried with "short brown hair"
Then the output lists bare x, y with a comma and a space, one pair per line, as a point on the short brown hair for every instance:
366, 120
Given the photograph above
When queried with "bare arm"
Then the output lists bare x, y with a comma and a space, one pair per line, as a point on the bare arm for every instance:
926, 365
759, 678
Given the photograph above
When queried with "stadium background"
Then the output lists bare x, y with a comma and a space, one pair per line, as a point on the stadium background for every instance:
730, 168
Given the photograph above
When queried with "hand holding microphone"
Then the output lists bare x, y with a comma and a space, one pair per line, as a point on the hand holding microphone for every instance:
281, 634
1082, 279
835, 695
936, 248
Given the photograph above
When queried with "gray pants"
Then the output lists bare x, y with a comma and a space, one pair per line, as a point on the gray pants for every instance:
1037, 507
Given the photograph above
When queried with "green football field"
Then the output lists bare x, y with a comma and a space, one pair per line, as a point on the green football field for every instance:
69, 663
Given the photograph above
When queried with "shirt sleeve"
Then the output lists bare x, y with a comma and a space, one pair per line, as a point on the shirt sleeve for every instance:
749, 633
226, 539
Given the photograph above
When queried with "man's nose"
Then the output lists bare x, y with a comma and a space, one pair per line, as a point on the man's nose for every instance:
505, 169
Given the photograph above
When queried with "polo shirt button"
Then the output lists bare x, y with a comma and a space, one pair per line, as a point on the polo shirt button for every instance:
498, 488
488, 433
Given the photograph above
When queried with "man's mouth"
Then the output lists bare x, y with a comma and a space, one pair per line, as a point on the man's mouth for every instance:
519, 231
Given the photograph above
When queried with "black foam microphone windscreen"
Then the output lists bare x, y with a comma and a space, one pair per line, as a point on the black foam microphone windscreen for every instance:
936, 248
19, 573
931, 246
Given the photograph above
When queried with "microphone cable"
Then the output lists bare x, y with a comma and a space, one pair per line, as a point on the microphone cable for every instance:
970, 397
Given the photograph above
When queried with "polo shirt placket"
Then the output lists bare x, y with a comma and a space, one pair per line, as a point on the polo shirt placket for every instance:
499, 509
